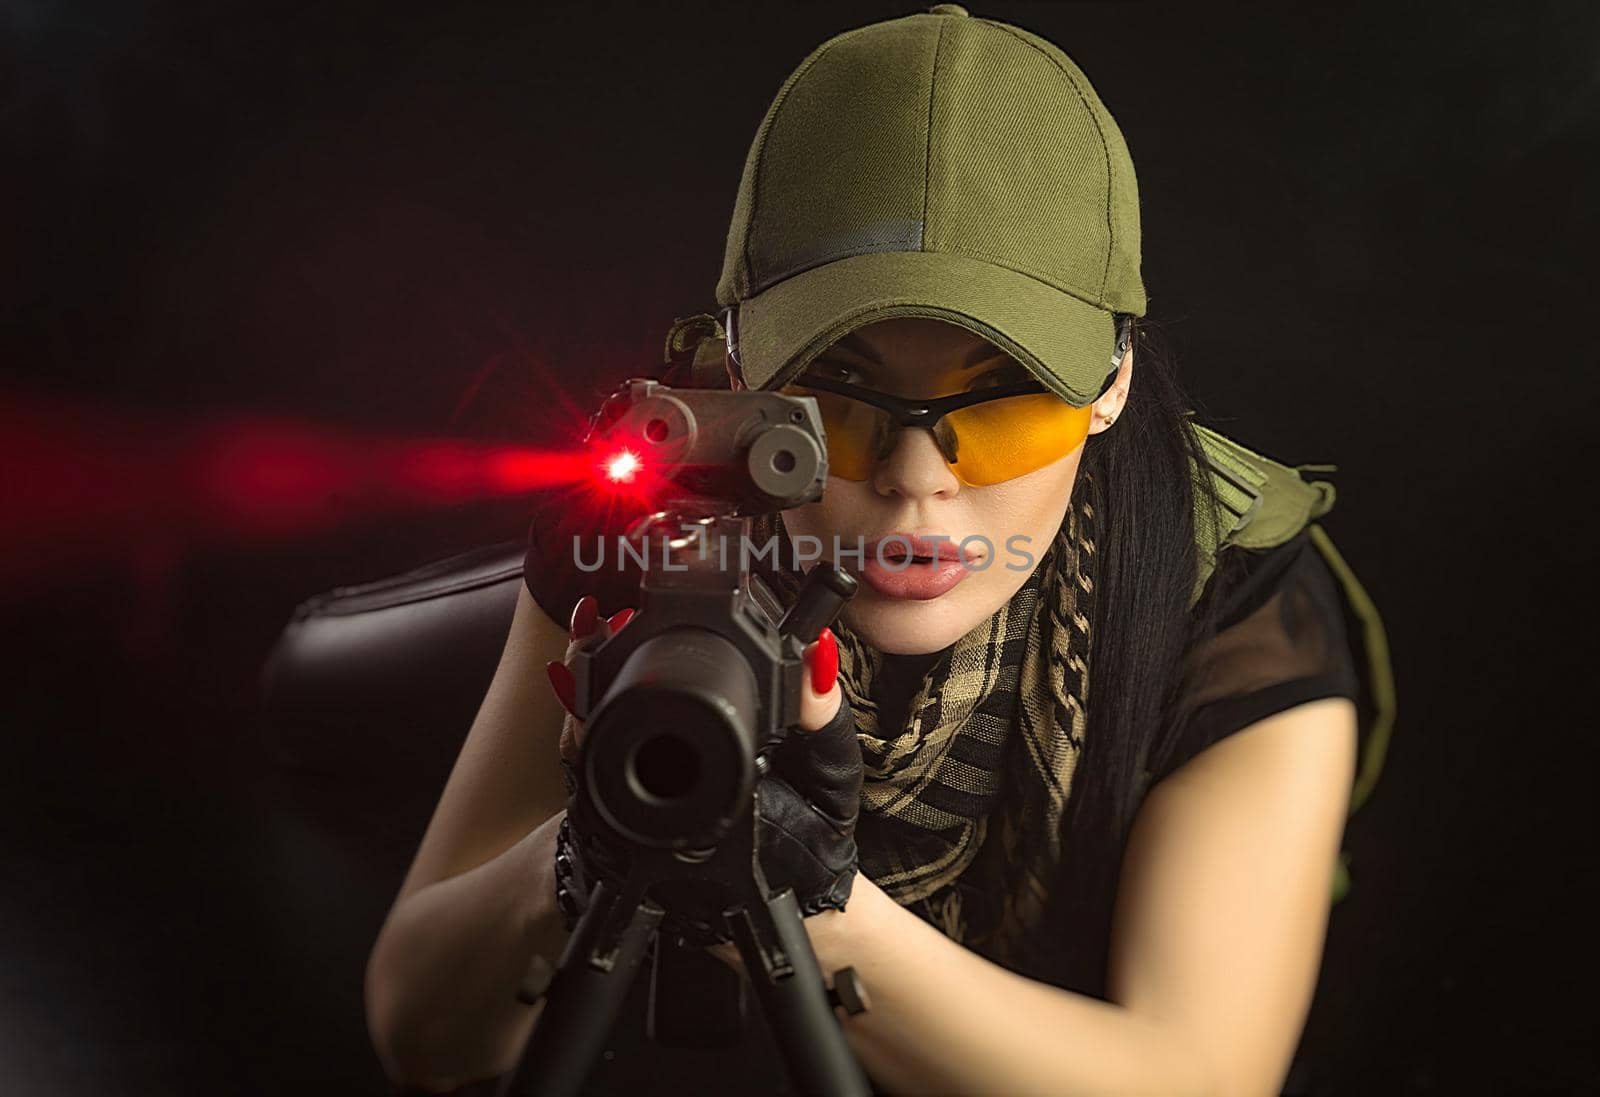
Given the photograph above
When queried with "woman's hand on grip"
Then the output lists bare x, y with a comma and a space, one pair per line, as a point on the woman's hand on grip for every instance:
587, 629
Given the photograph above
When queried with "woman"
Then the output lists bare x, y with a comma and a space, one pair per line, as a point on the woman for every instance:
1107, 751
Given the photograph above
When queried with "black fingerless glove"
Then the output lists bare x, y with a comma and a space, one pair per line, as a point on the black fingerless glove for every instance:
808, 804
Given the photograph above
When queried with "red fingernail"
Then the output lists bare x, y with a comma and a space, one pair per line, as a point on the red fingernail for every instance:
618, 619
584, 616
824, 662
562, 682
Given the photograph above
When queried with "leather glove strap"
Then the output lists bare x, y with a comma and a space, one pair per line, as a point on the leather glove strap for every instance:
567, 885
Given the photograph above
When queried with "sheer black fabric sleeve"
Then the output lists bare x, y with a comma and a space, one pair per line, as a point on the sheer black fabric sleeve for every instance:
573, 551
1280, 640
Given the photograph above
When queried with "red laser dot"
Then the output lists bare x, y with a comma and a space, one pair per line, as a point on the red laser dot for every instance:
621, 468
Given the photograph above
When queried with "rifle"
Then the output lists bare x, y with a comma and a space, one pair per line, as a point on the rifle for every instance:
682, 710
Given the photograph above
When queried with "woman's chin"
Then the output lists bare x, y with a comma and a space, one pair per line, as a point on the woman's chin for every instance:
904, 626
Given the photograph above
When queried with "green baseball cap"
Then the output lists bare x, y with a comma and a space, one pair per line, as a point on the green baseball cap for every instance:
935, 165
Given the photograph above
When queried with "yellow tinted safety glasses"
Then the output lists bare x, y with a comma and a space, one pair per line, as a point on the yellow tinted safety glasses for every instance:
987, 436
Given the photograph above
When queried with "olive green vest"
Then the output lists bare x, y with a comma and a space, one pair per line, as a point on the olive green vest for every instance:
1262, 504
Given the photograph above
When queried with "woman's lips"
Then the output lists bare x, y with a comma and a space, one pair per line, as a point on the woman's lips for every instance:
941, 568
915, 580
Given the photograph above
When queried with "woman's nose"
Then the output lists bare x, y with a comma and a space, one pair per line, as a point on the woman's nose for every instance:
915, 468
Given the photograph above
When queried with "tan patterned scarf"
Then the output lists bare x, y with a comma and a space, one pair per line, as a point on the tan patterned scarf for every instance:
962, 806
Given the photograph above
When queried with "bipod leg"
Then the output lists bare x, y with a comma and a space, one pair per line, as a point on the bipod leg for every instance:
778, 957
586, 993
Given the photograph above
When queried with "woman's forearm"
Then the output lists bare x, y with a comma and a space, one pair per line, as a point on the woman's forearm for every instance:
443, 976
945, 1020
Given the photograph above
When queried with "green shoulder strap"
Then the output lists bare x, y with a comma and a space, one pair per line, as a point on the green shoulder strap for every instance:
1263, 503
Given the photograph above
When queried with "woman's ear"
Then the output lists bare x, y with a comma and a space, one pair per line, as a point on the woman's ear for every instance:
1109, 406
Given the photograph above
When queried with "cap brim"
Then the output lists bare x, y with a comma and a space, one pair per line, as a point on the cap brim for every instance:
1066, 342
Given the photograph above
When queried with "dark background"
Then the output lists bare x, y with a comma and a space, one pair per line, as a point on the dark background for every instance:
1367, 231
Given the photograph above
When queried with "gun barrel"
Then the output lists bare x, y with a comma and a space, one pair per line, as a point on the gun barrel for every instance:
670, 750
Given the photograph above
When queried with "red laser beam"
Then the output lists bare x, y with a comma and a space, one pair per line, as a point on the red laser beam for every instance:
82, 482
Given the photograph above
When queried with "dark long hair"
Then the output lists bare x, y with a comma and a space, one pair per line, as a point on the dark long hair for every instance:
1144, 494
